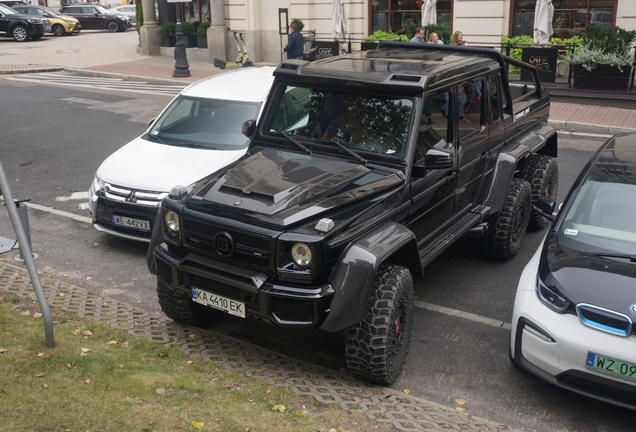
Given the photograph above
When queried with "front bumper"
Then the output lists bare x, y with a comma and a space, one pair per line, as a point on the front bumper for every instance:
555, 347
264, 300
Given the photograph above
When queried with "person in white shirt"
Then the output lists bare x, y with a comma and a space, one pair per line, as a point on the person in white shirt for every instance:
433, 38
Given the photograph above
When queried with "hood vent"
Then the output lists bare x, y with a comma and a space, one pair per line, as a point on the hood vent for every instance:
406, 78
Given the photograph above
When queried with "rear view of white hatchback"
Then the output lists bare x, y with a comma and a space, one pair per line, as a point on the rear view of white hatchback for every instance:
198, 133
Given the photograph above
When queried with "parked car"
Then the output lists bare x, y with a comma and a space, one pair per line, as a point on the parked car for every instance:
12, 3
22, 27
96, 17
127, 10
575, 307
60, 24
363, 169
195, 135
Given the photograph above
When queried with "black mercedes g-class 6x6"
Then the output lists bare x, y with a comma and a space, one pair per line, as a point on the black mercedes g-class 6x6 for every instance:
363, 168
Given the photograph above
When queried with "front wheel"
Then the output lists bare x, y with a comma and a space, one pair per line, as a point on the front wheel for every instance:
506, 228
112, 26
376, 347
20, 33
58, 30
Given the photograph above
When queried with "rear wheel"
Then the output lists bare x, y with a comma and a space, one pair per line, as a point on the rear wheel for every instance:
20, 33
112, 26
179, 306
58, 30
376, 347
542, 172
506, 229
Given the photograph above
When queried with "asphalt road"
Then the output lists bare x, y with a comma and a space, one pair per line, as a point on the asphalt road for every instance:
53, 140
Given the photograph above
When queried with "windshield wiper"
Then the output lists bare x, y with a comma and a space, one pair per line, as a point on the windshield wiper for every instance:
631, 258
155, 137
362, 160
305, 149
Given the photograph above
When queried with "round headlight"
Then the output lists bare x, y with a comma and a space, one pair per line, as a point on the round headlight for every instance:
301, 254
172, 220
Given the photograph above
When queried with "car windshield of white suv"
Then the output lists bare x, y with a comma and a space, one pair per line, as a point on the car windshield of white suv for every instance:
203, 123
358, 121
7, 10
602, 217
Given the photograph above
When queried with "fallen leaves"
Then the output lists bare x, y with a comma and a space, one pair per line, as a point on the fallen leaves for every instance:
160, 391
86, 350
37, 315
112, 342
45, 385
407, 391
39, 375
87, 333
189, 362
196, 424
279, 408
3, 350
460, 403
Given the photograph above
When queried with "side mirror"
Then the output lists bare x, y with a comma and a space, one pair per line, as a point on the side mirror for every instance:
152, 120
249, 127
436, 158
545, 208
96, 13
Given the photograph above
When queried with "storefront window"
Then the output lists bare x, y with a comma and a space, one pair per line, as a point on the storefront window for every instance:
571, 17
391, 15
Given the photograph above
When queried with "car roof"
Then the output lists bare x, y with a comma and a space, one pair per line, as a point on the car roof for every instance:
250, 84
399, 64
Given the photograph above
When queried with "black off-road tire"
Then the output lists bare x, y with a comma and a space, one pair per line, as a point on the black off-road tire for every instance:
180, 307
542, 172
505, 231
155, 240
376, 347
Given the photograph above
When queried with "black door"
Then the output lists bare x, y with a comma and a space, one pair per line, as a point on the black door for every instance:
432, 194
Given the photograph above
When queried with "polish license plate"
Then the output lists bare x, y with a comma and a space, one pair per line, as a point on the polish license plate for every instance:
140, 224
221, 303
606, 364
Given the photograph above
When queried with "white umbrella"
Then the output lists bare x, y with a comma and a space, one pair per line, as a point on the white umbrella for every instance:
429, 12
338, 20
543, 13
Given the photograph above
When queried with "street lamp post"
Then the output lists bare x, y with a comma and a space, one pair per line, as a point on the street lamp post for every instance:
181, 67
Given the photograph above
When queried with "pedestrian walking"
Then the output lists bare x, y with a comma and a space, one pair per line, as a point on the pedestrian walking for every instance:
419, 35
295, 44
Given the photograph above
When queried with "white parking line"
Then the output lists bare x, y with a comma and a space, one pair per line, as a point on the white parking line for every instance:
462, 314
74, 196
59, 213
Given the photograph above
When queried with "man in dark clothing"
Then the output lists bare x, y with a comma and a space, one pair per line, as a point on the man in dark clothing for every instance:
295, 45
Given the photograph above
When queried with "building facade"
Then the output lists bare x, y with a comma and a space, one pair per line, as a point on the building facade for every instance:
482, 21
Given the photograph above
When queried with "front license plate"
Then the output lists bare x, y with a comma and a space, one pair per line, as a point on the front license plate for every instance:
127, 222
606, 364
224, 304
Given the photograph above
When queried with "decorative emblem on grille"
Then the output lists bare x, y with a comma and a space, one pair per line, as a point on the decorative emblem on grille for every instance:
632, 308
131, 198
238, 202
224, 244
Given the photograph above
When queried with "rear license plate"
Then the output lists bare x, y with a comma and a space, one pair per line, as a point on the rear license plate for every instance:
606, 364
140, 224
221, 303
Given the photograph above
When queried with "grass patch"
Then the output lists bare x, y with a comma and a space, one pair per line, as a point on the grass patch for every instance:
101, 379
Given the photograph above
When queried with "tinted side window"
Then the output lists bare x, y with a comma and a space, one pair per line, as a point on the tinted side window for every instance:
469, 107
494, 99
435, 126
88, 10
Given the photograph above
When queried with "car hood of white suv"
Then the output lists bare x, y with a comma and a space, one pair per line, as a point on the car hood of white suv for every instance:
144, 165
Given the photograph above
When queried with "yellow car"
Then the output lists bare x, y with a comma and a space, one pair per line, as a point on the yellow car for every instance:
60, 24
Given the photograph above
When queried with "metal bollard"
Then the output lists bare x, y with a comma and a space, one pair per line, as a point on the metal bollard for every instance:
24, 218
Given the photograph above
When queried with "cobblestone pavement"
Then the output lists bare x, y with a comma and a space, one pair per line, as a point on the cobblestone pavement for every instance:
385, 405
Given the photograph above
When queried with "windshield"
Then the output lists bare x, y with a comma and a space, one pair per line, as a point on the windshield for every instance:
206, 123
361, 122
602, 217
7, 10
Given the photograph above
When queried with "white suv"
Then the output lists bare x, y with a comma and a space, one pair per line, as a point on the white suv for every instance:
198, 133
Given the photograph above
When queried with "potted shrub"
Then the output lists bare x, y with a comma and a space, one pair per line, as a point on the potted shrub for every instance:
168, 31
371, 41
202, 34
190, 34
605, 61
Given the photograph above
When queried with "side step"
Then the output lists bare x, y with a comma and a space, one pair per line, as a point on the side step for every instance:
430, 250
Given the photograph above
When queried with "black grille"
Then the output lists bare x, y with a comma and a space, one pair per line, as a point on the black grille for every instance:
249, 251
164, 271
604, 320
292, 310
596, 386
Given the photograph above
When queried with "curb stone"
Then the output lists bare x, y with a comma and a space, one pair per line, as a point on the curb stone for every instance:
28, 68
404, 412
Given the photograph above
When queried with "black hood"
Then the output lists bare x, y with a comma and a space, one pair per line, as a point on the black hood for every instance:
606, 282
281, 187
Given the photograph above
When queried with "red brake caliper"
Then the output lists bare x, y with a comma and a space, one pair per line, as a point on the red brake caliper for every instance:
398, 323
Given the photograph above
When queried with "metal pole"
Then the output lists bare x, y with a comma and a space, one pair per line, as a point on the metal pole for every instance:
181, 66
24, 218
25, 251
